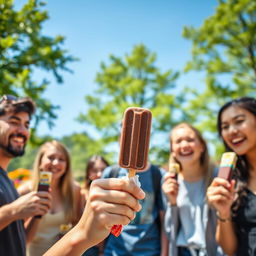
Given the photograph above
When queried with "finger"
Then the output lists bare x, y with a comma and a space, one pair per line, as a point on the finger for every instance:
219, 199
120, 210
116, 219
220, 191
233, 184
170, 177
44, 194
114, 197
220, 182
40, 210
45, 202
127, 185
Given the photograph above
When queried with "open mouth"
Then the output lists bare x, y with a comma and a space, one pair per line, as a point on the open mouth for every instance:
237, 141
186, 153
19, 140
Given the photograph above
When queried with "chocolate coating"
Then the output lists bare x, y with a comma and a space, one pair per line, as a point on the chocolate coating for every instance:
135, 137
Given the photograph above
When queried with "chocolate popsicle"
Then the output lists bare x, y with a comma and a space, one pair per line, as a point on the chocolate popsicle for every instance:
227, 165
134, 144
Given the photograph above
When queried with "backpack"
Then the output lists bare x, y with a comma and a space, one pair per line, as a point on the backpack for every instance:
156, 178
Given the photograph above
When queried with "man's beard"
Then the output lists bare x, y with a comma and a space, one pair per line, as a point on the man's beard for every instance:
11, 151
14, 151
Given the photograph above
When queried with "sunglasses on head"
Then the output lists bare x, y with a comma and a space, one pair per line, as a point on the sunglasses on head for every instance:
8, 98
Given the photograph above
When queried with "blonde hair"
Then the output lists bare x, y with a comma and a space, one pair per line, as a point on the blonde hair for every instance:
205, 162
66, 181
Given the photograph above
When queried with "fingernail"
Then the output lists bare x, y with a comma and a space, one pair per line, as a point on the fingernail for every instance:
141, 194
139, 208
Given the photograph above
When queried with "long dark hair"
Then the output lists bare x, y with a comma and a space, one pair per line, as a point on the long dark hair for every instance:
90, 165
241, 172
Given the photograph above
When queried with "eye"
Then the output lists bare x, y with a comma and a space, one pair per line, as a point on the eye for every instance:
27, 125
51, 158
177, 141
14, 122
224, 127
239, 121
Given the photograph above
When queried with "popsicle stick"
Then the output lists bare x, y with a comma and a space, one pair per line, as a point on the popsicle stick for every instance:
132, 173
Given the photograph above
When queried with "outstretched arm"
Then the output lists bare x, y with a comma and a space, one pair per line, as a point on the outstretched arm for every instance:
110, 202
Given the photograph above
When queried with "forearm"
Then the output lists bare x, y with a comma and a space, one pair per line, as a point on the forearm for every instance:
226, 237
30, 228
7, 215
73, 243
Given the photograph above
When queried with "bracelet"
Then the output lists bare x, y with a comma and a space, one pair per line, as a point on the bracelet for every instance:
221, 219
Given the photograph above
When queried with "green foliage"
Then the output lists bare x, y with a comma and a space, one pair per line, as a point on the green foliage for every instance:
133, 80
81, 147
23, 50
224, 49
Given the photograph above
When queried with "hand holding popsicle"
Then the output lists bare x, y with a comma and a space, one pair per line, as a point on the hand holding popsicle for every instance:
134, 144
44, 183
174, 169
222, 190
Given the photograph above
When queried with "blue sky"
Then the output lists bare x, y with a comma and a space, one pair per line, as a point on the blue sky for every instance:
95, 29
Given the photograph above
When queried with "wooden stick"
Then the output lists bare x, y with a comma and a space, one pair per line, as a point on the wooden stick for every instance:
132, 173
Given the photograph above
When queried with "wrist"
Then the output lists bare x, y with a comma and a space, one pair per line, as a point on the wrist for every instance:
223, 217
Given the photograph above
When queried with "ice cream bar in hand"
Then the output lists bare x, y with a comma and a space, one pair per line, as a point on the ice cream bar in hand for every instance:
174, 168
227, 165
44, 183
134, 144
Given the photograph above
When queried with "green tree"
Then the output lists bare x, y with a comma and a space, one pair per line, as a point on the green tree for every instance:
81, 147
224, 50
133, 80
24, 49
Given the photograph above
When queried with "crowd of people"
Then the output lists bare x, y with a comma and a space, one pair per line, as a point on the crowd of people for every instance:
194, 213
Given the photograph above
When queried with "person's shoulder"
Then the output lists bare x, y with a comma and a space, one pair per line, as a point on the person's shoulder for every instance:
112, 171
158, 169
106, 172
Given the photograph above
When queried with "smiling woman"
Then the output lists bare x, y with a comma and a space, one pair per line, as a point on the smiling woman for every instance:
189, 221
67, 203
237, 207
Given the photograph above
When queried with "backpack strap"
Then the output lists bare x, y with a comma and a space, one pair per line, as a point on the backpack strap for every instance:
156, 178
114, 171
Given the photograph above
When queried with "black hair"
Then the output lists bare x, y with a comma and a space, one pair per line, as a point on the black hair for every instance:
241, 172
90, 165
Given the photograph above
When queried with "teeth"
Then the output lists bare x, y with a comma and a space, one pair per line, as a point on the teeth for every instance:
237, 140
186, 153
19, 139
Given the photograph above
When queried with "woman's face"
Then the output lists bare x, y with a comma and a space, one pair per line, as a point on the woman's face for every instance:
97, 170
238, 130
54, 161
186, 147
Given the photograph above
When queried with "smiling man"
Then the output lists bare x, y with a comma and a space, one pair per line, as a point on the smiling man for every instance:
15, 115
